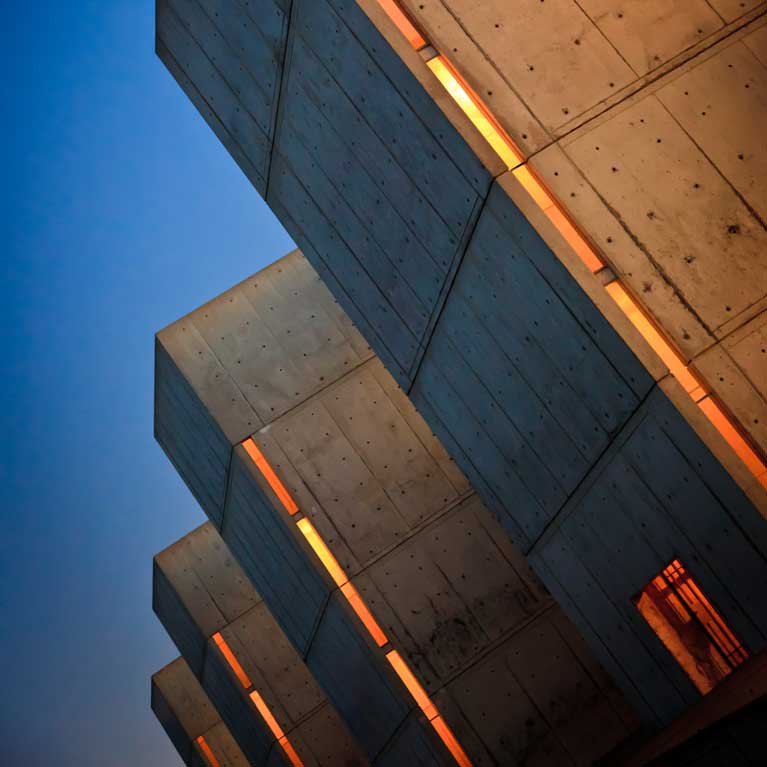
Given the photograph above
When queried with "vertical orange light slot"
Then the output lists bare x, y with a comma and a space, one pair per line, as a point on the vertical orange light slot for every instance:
473, 108
234, 664
403, 23
341, 580
358, 605
207, 752
662, 348
429, 709
269, 475
413, 685
274, 726
322, 551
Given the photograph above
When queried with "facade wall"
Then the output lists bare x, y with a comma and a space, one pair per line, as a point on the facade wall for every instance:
190, 720
437, 572
482, 313
201, 595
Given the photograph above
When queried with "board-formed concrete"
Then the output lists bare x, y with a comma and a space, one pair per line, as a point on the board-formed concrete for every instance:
190, 720
533, 385
210, 608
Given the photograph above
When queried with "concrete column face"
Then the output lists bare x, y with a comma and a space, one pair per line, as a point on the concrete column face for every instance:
600, 472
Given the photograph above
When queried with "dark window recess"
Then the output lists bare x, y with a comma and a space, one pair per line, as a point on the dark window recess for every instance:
690, 627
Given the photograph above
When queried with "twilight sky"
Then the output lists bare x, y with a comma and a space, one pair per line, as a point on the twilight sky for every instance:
120, 213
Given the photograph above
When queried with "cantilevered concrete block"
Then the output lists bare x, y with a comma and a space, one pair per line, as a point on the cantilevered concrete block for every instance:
239, 362
243, 661
395, 583
190, 720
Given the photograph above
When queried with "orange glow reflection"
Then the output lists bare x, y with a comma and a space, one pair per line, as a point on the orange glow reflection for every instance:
472, 107
269, 475
234, 664
403, 23
207, 752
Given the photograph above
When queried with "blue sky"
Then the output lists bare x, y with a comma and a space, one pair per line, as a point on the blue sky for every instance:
120, 213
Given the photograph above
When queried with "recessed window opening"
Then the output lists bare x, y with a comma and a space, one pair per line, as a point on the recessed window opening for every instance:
357, 603
690, 627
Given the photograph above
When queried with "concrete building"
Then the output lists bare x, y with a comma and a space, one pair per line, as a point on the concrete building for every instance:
558, 254
192, 724
241, 660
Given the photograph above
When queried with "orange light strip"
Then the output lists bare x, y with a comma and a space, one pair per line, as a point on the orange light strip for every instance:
355, 601
358, 605
473, 108
234, 664
258, 702
403, 23
429, 709
338, 575
268, 473
321, 549
207, 752
505, 148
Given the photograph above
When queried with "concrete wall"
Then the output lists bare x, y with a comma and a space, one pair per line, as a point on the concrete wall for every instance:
198, 591
536, 385
437, 571
186, 714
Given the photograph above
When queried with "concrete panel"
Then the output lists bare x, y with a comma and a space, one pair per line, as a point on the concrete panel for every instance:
524, 373
270, 555
396, 154
176, 36
451, 592
625, 253
550, 53
414, 746
536, 700
198, 588
756, 42
356, 677
647, 34
689, 225
704, 101
274, 667
730, 10
390, 480
736, 370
